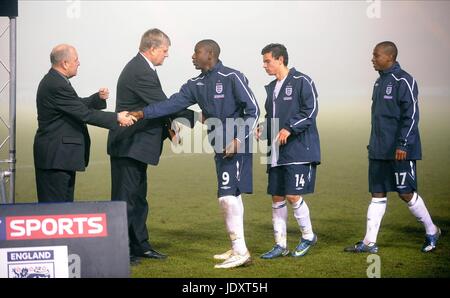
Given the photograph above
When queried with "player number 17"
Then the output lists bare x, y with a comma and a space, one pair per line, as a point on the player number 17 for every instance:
397, 178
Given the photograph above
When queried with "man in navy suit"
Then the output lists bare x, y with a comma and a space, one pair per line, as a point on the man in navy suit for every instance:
132, 149
62, 143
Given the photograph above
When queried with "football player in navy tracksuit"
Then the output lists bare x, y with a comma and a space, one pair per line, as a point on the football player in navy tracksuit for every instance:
292, 135
394, 147
224, 98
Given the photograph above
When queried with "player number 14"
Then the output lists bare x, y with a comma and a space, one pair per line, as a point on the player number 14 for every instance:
299, 180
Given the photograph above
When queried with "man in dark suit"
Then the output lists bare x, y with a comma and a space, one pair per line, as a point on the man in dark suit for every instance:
132, 149
61, 145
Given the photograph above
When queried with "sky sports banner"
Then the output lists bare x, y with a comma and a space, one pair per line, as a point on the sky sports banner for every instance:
92, 235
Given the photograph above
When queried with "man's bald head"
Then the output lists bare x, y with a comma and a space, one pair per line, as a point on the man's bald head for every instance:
60, 53
389, 48
211, 46
64, 58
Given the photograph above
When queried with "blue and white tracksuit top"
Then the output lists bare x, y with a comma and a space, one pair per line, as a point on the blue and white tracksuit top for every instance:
395, 116
221, 93
296, 107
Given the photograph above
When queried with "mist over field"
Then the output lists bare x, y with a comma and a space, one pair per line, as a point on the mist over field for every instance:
332, 42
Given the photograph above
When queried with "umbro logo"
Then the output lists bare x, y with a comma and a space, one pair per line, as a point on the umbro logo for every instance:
200, 84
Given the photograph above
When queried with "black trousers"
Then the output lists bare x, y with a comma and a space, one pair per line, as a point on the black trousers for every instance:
129, 184
55, 185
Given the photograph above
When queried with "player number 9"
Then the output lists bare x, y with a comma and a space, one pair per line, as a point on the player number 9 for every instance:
225, 178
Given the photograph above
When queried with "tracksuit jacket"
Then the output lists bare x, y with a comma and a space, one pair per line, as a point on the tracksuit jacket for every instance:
395, 116
296, 107
221, 93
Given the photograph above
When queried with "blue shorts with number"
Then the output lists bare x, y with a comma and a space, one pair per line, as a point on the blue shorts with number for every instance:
392, 175
234, 175
294, 179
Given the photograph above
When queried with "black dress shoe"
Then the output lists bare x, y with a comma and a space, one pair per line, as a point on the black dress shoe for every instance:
153, 254
134, 260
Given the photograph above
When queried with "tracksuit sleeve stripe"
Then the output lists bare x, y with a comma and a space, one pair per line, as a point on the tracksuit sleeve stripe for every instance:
250, 96
414, 103
315, 100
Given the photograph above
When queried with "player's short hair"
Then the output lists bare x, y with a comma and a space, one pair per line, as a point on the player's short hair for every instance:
277, 50
389, 48
211, 45
153, 38
60, 53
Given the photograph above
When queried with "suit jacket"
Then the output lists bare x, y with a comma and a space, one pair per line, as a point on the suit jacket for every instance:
62, 140
137, 87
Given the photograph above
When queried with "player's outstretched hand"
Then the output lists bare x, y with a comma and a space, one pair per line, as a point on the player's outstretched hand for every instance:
125, 119
137, 114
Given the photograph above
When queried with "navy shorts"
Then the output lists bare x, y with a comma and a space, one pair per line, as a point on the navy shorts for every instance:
392, 175
292, 179
234, 175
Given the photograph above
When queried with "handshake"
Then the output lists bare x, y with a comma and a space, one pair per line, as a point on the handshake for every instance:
126, 118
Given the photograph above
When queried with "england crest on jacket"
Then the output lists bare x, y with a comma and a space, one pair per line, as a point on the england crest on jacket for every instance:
288, 93
388, 92
219, 90
288, 90
219, 87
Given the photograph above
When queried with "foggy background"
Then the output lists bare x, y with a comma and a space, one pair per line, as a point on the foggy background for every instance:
331, 41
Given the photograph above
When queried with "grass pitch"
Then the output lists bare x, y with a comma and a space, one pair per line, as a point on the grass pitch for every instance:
185, 220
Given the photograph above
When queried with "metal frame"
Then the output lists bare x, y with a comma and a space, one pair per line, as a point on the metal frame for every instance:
9, 176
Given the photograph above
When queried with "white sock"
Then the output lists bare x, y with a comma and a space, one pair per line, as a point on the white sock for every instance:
301, 213
375, 214
279, 221
241, 211
241, 204
234, 221
419, 210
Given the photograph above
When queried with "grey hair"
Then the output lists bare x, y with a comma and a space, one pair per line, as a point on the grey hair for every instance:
153, 38
60, 53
